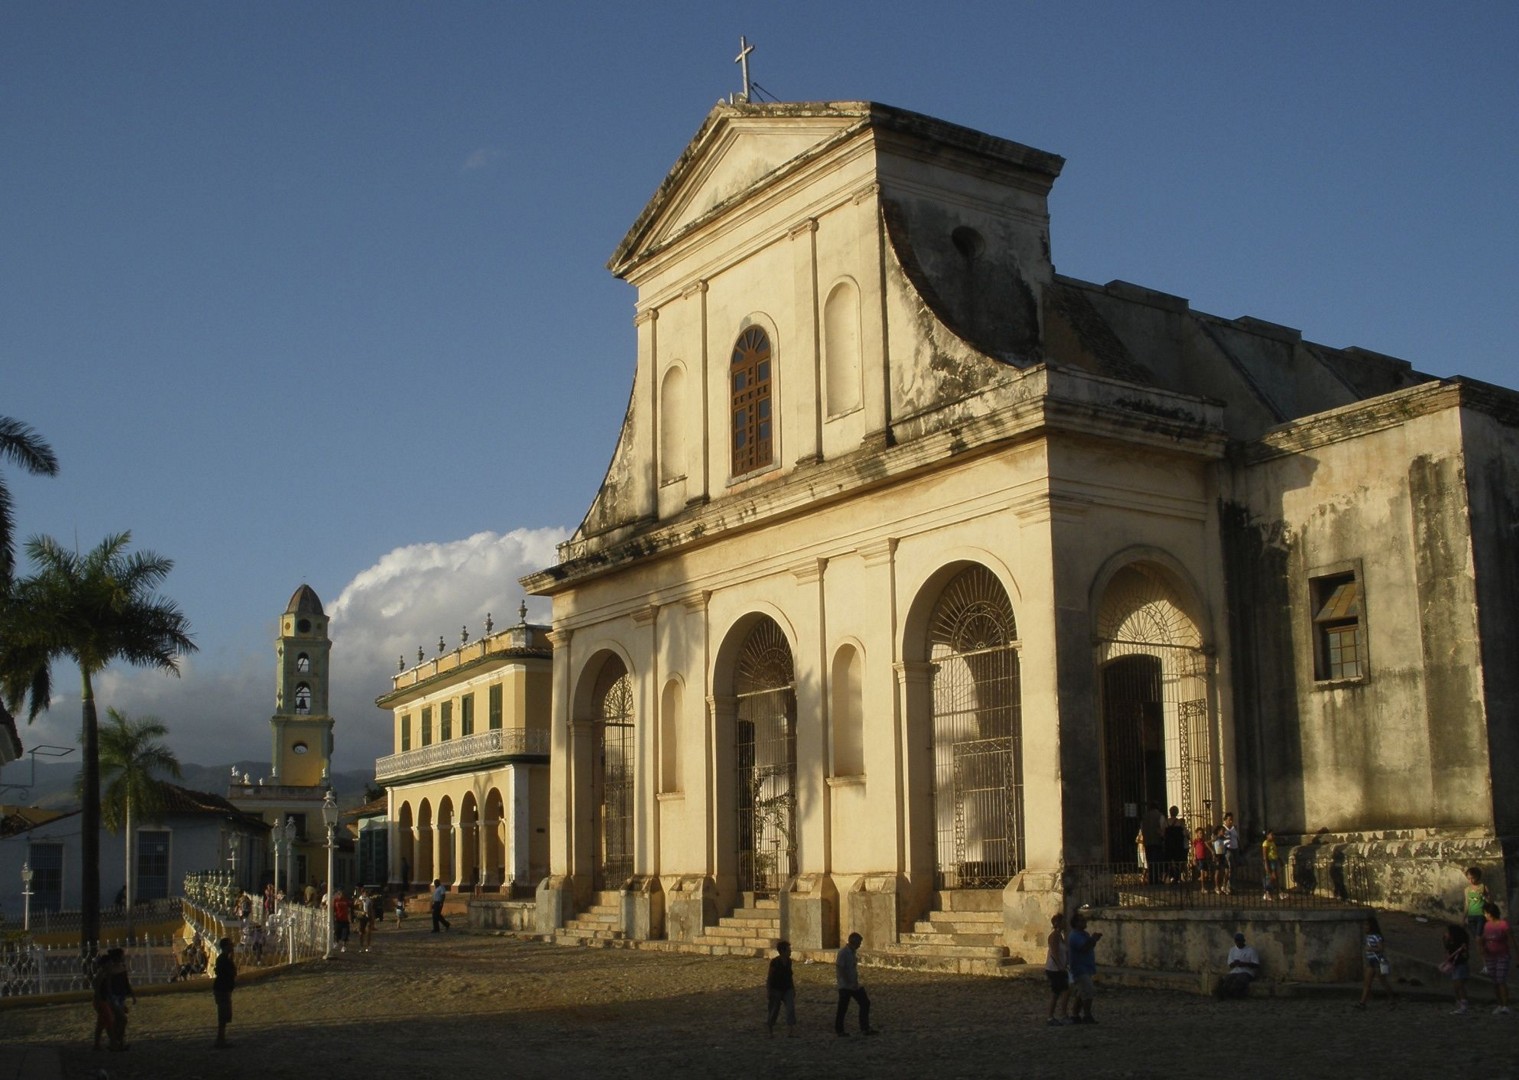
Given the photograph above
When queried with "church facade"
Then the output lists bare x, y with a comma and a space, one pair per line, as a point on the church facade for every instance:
920, 569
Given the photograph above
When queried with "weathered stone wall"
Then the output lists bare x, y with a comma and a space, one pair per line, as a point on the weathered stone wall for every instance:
1378, 491
1414, 870
1307, 946
494, 914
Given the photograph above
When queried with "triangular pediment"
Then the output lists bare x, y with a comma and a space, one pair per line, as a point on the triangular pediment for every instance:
738, 148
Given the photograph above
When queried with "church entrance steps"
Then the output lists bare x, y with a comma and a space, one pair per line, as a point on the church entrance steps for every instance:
965, 927
752, 929
601, 922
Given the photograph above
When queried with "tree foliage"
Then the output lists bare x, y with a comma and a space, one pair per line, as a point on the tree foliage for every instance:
22, 446
90, 610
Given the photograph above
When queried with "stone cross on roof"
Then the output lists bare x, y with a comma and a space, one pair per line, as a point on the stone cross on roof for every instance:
744, 49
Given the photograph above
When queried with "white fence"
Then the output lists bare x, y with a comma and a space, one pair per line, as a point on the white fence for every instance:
290, 934
27, 968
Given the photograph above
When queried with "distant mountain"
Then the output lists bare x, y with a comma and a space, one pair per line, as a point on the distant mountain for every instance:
53, 786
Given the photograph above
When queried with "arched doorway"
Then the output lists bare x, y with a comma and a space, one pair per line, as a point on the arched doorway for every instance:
764, 760
977, 734
1157, 740
612, 764
426, 844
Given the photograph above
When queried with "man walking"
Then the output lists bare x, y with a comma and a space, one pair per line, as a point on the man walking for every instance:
439, 891
847, 970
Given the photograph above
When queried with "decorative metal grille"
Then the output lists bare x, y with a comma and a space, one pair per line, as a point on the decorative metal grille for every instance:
1158, 740
977, 732
614, 779
764, 753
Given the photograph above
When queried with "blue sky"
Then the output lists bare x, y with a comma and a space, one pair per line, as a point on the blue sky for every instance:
315, 292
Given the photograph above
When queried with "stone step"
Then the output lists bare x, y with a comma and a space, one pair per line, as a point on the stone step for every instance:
993, 918
608, 898
598, 915
962, 900
915, 959
949, 948
751, 915
743, 930
931, 937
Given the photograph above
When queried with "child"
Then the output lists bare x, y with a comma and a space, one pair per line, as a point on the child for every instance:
1457, 963
1200, 863
1220, 860
781, 989
1271, 867
222, 985
1377, 967
1056, 959
1497, 945
1082, 946
1475, 897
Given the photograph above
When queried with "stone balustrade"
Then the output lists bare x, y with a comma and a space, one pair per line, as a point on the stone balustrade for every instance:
469, 752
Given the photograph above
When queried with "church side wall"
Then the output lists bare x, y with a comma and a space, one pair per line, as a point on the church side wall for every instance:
1403, 746
1492, 482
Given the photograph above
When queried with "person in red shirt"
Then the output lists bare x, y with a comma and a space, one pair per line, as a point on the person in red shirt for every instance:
340, 920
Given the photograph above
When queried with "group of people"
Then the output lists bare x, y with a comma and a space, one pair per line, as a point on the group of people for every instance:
1070, 963
1171, 856
365, 909
1485, 926
780, 988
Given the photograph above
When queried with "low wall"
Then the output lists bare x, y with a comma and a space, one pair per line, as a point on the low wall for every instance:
1294, 946
1420, 871
492, 914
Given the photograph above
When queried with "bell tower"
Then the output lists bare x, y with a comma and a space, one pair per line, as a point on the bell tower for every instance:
302, 725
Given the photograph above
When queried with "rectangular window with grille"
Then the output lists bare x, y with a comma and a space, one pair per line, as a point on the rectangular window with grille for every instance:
152, 864
1339, 627
495, 707
467, 714
47, 876
446, 721
427, 725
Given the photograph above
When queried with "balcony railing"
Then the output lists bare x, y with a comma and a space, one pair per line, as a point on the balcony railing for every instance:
469, 752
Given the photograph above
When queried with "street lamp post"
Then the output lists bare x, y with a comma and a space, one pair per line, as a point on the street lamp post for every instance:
330, 819
286, 836
26, 895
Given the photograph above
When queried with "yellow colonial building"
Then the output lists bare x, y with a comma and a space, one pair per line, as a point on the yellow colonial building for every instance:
467, 786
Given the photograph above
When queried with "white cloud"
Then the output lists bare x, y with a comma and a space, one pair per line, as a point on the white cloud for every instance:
411, 596
480, 158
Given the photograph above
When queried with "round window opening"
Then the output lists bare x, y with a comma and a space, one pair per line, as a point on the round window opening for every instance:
304, 626
299, 748
967, 241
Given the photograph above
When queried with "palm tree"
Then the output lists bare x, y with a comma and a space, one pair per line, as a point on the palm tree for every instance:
23, 446
88, 609
131, 760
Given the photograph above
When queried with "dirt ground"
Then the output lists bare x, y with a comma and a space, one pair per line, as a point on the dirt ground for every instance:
458, 1004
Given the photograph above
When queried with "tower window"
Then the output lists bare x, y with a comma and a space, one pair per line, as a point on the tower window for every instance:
749, 380
303, 698
303, 663
303, 626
